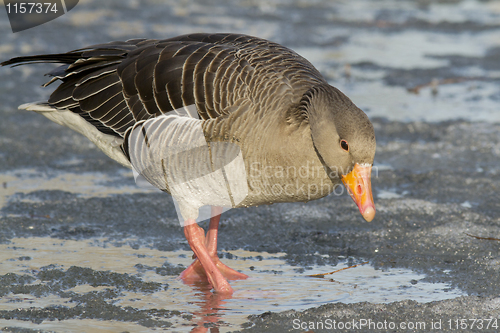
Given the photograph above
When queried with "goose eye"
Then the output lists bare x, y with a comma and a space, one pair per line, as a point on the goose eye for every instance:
344, 145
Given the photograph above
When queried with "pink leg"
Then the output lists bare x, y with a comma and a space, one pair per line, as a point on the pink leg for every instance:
211, 243
196, 271
213, 229
196, 239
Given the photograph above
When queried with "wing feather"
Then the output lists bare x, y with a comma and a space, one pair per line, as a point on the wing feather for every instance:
115, 85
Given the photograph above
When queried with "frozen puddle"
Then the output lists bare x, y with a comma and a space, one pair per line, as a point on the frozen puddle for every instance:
273, 285
86, 184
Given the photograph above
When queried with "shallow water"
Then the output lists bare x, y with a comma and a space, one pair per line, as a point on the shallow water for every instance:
273, 284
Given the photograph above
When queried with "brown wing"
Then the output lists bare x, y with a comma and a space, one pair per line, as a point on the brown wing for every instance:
114, 85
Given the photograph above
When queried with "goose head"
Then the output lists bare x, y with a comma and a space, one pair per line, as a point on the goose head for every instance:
344, 140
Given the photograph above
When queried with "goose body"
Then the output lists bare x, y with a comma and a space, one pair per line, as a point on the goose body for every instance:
241, 120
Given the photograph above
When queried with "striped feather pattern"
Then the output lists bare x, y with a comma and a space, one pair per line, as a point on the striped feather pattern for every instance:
117, 84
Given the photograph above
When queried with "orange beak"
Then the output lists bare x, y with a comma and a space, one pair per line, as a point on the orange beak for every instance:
359, 186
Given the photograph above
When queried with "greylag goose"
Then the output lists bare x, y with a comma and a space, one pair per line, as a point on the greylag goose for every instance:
224, 120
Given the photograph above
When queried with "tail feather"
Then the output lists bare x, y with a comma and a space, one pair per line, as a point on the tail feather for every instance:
37, 107
63, 58
93, 53
109, 144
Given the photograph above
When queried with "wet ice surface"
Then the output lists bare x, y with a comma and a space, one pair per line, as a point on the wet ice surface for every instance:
107, 252
273, 284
